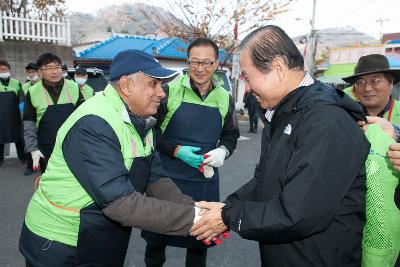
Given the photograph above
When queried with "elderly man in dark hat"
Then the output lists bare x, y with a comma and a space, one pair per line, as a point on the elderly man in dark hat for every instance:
373, 82
92, 192
81, 77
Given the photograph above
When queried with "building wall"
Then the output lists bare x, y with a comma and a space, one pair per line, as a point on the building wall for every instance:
20, 53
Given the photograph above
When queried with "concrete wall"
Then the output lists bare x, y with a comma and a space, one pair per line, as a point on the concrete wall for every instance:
20, 53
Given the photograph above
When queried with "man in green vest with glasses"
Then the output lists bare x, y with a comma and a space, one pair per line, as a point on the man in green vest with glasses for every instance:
48, 104
372, 84
105, 177
197, 126
11, 104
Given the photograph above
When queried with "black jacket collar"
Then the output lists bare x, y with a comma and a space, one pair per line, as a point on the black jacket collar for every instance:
307, 96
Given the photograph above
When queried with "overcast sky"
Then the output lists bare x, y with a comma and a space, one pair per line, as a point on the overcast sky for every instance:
361, 14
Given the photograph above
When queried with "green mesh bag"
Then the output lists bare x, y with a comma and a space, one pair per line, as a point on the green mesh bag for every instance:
381, 238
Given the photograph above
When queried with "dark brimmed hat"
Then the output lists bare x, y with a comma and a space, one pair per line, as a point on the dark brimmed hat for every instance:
132, 61
374, 63
64, 66
31, 66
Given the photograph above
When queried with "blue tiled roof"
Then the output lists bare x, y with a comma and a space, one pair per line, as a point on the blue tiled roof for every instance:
174, 48
393, 42
394, 60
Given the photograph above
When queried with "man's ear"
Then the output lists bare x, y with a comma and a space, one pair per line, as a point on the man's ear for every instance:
124, 85
280, 67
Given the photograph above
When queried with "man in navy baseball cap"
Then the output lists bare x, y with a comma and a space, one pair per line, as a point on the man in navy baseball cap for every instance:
105, 155
137, 77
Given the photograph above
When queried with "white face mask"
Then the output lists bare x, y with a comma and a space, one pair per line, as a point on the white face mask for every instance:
65, 75
80, 81
33, 78
4, 75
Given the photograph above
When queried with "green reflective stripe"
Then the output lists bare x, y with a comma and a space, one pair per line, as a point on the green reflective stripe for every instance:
60, 186
13, 86
180, 91
41, 100
87, 91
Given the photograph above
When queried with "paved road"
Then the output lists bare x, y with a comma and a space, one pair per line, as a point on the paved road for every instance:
16, 190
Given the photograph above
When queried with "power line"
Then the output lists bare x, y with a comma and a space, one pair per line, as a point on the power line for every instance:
356, 9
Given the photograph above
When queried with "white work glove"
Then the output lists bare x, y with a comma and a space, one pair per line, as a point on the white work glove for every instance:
215, 157
208, 171
36, 155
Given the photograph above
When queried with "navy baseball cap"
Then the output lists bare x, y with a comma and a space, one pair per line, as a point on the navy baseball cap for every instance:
81, 70
31, 66
132, 61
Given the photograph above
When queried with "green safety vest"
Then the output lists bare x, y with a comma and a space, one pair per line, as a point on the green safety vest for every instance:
13, 86
53, 212
87, 91
26, 86
381, 237
393, 114
181, 91
41, 99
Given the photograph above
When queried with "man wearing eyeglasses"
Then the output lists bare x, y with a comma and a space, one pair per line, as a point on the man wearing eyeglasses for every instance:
372, 82
197, 126
48, 104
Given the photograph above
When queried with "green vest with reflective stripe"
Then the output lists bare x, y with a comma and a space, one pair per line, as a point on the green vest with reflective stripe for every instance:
381, 234
13, 86
87, 91
181, 91
41, 99
53, 211
395, 116
25, 87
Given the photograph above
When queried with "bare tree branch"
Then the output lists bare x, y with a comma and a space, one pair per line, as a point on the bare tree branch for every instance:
214, 18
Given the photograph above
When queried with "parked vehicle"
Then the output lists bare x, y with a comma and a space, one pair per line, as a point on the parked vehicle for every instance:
96, 78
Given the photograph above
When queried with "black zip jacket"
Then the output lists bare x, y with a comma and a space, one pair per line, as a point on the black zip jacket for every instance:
306, 204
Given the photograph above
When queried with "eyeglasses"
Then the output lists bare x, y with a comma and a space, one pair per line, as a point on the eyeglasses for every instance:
196, 64
55, 68
374, 82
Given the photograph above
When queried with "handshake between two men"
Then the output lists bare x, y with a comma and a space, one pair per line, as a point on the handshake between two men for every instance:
208, 225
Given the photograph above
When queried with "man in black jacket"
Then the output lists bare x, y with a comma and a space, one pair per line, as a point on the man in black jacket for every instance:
305, 205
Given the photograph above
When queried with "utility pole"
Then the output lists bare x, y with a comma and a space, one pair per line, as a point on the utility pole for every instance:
235, 58
312, 41
381, 21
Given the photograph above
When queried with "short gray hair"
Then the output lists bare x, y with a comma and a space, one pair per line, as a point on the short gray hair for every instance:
133, 77
269, 42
